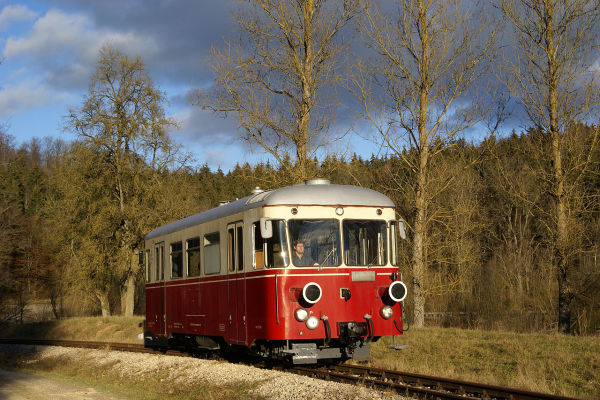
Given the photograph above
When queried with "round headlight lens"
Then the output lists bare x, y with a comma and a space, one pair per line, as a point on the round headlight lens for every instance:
312, 292
397, 291
312, 323
386, 312
301, 314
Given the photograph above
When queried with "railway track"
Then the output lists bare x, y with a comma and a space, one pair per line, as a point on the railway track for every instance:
405, 383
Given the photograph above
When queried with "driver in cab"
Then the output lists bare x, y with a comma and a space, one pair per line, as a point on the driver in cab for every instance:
300, 258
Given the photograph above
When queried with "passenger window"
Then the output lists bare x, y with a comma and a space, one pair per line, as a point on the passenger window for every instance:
176, 260
231, 244
240, 248
159, 250
212, 254
193, 256
148, 266
258, 254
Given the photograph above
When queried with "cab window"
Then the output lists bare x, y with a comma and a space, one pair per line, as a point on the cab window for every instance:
272, 252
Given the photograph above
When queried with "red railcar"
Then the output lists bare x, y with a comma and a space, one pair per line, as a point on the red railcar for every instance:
306, 273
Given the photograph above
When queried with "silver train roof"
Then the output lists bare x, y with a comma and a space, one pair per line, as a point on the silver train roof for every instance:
319, 193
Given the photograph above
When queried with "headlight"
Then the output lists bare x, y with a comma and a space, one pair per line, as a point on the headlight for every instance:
301, 314
397, 291
386, 312
312, 323
312, 292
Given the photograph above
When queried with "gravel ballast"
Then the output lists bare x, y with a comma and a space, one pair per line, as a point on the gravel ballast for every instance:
189, 371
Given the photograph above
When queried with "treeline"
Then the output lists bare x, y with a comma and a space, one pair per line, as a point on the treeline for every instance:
488, 249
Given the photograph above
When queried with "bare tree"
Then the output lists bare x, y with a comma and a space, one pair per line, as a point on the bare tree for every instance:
419, 94
553, 77
278, 79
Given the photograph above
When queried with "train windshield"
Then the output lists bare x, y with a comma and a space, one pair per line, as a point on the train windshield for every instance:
315, 242
365, 242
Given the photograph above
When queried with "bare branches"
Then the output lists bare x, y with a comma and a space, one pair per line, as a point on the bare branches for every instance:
418, 93
554, 79
274, 79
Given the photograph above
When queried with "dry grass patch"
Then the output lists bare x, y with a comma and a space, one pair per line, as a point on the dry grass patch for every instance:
551, 363
112, 329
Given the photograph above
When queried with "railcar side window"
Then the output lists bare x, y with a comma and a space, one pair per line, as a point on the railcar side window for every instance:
240, 248
315, 242
176, 260
258, 255
365, 242
148, 265
212, 254
394, 243
159, 251
230, 248
193, 256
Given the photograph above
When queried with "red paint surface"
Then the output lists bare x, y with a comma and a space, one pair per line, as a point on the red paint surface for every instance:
244, 307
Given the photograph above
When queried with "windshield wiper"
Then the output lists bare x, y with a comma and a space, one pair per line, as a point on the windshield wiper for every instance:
327, 258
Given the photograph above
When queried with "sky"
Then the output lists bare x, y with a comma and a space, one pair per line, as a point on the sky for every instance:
49, 50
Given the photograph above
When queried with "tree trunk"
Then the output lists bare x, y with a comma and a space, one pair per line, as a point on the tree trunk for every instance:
418, 260
560, 244
420, 227
561, 262
104, 303
53, 303
308, 9
128, 296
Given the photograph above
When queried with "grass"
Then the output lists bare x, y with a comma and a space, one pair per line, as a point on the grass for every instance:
551, 363
112, 329
106, 380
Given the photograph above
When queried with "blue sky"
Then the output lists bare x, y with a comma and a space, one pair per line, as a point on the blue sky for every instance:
50, 49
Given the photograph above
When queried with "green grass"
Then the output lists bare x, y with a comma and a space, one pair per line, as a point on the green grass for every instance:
550, 363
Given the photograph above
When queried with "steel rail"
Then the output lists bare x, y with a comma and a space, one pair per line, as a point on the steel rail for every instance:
424, 386
406, 383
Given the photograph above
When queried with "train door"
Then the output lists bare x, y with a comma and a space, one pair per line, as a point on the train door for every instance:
159, 304
236, 283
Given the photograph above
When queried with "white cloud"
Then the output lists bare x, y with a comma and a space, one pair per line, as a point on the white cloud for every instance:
25, 96
65, 47
53, 34
15, 13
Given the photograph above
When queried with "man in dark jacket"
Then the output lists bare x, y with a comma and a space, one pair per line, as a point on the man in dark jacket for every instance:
300, 258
